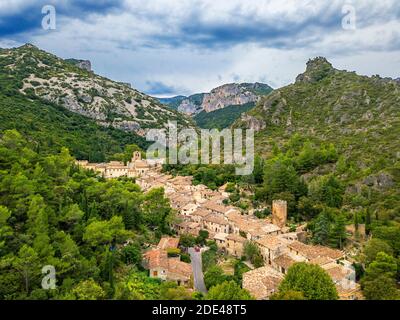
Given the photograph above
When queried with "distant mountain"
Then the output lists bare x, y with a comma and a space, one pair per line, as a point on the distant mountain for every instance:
238, 97
173, 102
70, 84
190, 105
232, 94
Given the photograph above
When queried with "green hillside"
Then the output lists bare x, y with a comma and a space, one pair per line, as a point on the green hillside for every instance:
33, 72
359, 115
52, 127
221, 118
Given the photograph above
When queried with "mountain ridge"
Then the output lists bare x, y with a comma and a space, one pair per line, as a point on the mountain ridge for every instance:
229, 94
35, 72
360, 115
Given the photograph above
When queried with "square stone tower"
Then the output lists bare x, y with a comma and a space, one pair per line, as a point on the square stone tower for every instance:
136, 156
279, 213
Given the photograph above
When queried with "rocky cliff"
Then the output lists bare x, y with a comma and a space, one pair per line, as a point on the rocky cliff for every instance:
233, 94
70, 85
83, 64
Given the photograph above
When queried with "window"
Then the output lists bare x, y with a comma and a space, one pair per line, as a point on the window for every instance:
155, 273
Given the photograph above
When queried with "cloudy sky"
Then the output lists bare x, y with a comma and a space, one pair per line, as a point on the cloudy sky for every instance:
170, 47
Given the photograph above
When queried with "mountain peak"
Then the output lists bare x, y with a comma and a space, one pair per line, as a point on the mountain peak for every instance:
317, 69
28, 46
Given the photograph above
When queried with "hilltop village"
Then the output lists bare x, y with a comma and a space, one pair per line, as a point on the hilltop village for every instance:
200, 208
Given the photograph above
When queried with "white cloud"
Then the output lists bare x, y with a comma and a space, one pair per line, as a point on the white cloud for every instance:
196, 45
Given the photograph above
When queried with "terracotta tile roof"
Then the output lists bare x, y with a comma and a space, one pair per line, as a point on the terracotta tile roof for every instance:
214, 218
190, 206
141, 164
181, 180
156, 258
179, 269
189, 224
337, 272
313, 252
213, 206
284, 261
270, 242
221, 236
321, 261
201, 212
262, 282
236, 238
269, 227
167, 243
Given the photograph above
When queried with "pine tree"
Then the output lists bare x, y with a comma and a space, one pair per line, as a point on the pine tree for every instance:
338, 233
321, 230
356, 221
356, 225
368, 222
129, 219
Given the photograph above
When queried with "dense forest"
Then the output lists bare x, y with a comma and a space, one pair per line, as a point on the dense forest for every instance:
53, 213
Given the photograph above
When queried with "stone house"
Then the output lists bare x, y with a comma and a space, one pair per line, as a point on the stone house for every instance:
234, 245
216, 223
262, 282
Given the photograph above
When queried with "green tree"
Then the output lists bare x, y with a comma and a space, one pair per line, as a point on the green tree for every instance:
379, 282
327, 190
390, 234
5, 230
157, 212
372, 248
88, 290
321, 229
228, 290
27, 263
309, 279
105, 232
252, 253
171, 291
132, 254
368, 221
187, 240
214, 276
338, 234
288, 295
280, 176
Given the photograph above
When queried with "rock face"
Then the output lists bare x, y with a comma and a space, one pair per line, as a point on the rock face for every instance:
227, 95
380, 181
83, 64
233, 94
189, 107
251, 122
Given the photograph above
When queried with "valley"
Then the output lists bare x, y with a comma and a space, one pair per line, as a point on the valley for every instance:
321, 205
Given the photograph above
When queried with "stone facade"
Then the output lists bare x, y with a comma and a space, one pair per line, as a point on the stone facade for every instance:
115, 169
279, 213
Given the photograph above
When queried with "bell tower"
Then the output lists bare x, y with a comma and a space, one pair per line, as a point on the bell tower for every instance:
136, 156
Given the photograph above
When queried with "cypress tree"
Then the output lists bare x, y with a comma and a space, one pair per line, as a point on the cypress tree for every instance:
368, 222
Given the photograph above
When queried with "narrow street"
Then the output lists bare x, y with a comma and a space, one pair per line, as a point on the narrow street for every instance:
197, 270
